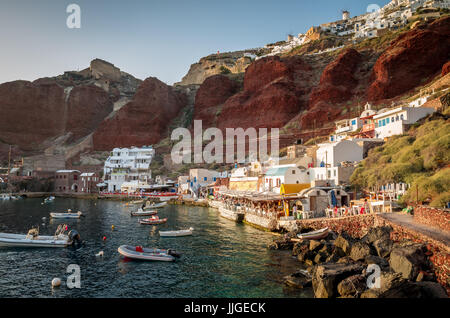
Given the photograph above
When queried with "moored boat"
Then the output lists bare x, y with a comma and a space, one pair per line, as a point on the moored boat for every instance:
176, 233
49, 199
66, 215
140, 212
136, 202
33, 239
154, 220
156, 205
147, 254
315, 235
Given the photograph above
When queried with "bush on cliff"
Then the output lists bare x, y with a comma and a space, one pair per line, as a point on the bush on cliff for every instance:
419, 158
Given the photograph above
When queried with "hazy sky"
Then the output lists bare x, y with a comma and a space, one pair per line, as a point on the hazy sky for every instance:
160, 38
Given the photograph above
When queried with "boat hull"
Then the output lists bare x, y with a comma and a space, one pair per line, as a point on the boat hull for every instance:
146, 213
19, 240
146, 255
65, 215
315, 235
152, 222
175, 233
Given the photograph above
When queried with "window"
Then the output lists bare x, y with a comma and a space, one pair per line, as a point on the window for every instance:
293, 171
387, 120
195, 179
215, 178
75, 177
384, 122
401, 116
205, 179
353, 122
393, 119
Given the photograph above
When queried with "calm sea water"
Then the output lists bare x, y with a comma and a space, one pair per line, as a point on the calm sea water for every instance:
221, 259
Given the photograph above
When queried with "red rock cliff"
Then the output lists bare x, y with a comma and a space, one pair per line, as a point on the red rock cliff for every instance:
143, 121
410, 60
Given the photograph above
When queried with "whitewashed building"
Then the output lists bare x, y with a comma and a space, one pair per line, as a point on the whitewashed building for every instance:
275, 176
395, 121
344, 127
128, 164
332, 154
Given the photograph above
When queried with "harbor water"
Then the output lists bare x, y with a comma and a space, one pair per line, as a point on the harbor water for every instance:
221, 259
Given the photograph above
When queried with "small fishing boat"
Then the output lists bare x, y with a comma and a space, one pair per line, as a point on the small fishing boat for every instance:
136, 202
147, 254
5, 197
154, 220
156, 206
176, 233
315, 235
140, 212
33, 239
66, 215
49, 199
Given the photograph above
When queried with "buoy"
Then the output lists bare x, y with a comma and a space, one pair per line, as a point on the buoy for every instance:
104, 238
56, 282
112, 227
99, 254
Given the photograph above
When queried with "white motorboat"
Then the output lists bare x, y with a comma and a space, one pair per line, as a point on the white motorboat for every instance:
147, 254
33, 239
176, 233
66, 215
136, 202
5, 197
140, 212
155, 205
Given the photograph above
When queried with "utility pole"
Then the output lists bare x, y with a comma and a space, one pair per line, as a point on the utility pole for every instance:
9, 161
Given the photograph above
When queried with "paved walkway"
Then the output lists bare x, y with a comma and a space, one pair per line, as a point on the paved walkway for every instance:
407, 221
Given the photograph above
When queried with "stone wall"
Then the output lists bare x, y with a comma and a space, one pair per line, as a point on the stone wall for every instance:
433, 217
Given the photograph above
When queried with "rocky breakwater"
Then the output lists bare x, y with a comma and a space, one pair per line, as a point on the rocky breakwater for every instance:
374, 266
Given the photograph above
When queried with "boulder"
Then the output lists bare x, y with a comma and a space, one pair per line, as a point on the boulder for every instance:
393, 285
315, 245
407, 260
377, 233
320, 257
326, 277
432, 290
304, 255
343, 243
359, 251
351, 286
383, 246
300, 279
299, 247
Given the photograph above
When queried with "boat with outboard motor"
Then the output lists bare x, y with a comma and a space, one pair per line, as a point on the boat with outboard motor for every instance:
33, 239
66, 215
154, 220
148, 254
141, 212
176, 233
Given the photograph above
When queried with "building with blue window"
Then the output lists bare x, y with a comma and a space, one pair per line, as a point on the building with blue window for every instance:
395, 121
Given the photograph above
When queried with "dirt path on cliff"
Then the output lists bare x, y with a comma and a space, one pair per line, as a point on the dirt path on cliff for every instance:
407, 221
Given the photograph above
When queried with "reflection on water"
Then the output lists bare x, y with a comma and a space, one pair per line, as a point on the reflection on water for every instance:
221, 259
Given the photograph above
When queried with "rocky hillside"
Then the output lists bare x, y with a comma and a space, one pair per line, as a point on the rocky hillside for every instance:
302, 93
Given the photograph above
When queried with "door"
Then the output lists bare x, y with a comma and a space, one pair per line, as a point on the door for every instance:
312, 203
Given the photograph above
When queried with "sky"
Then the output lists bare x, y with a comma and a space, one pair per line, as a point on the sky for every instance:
158, 38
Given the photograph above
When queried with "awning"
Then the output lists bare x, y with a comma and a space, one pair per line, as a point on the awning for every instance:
293, 188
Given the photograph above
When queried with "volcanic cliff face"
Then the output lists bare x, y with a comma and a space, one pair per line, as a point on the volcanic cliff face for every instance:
410, 60
143, 121
271, 96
